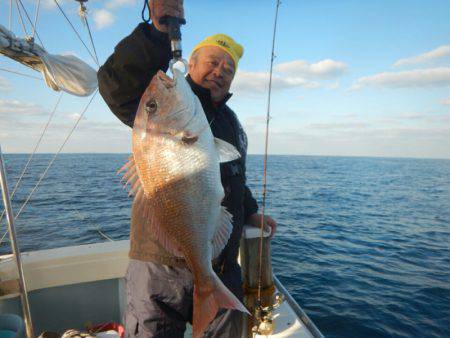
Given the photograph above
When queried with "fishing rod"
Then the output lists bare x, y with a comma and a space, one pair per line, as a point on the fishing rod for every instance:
263, 314
173, 24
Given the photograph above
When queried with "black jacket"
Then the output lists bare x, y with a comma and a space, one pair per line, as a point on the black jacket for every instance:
124, 78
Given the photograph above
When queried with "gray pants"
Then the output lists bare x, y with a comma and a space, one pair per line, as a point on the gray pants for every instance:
159, 302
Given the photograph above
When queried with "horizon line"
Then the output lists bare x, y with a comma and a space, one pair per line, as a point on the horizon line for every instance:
252, 154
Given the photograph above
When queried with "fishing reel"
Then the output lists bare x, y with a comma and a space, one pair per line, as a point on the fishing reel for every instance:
264, 317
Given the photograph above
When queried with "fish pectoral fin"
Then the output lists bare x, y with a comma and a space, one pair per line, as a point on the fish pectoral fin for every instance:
142, 213
223, 232
227, 152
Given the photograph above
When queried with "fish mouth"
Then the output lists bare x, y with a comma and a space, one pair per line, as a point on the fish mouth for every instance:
164, 79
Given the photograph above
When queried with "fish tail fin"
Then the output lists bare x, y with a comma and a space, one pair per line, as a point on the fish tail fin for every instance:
207, 302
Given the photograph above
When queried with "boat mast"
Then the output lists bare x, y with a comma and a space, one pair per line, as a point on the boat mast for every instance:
15, 248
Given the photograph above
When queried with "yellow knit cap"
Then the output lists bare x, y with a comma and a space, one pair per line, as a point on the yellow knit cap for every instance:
224, 42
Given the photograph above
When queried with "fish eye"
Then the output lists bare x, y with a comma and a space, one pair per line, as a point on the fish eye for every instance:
151, 106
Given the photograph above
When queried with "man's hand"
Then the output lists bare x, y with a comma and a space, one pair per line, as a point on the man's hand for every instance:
160, 8
269, 223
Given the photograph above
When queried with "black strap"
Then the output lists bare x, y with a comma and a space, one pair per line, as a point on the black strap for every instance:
146, 6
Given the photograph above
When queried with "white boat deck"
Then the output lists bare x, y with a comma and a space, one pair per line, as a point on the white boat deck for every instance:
71, 286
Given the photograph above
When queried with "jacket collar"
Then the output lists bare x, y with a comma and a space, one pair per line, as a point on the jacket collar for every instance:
204, 94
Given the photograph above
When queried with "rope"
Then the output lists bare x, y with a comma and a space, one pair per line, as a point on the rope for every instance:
101, 233
272, 58
75, 31
53, 160
32, 154
18, 73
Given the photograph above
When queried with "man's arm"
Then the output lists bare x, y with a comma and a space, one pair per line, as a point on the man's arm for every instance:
136, 59
125, 75
250, 204
251, 214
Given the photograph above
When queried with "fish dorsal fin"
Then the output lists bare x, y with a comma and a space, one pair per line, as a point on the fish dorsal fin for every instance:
130, 178
223, 232
226, 151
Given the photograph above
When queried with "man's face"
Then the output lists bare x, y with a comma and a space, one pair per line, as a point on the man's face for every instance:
212, 68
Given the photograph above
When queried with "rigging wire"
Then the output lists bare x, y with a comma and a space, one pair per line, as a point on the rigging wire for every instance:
22, 74
263, 207
36, 16
76, 32
31, 23
21, 19
30, 158
83, 14
52, 160
90, 37
10, 15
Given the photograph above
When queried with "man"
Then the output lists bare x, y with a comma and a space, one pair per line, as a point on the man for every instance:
159, 286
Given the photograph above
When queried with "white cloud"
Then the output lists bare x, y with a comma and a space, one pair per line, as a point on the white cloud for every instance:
76, 116
293, 74
50, 4
446, 102
258, 82
254, 122
339, 125
346, 115
371, 140
412, 116
4, 85
103, 18
432, 77
428, 57
114, 4
325, 69
14, 108
333, 85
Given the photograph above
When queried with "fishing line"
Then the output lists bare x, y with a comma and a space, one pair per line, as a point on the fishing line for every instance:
263, 207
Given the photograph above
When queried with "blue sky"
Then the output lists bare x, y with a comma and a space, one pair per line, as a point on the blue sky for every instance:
352, 78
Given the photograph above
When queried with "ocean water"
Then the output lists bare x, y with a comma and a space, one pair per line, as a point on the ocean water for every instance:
363, 243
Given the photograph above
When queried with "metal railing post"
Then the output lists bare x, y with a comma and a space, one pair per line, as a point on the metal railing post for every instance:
15, 248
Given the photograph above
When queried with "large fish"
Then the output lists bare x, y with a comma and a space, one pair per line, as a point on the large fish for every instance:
175, 176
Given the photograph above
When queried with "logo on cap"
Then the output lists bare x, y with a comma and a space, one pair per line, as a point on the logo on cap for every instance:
223, 44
